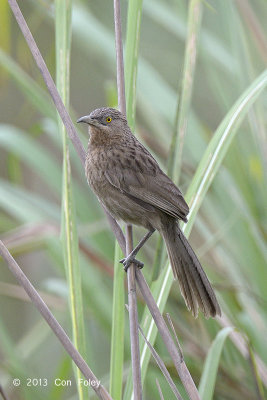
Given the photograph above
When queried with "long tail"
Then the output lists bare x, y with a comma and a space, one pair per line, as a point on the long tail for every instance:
193, 281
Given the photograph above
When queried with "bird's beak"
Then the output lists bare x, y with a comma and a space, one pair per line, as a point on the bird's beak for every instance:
87, 120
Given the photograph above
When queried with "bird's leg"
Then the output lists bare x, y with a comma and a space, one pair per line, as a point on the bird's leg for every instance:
130, 259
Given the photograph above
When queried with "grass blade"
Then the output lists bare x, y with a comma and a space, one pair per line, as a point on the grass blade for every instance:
209, 374
68, 223
194, 23
219, 145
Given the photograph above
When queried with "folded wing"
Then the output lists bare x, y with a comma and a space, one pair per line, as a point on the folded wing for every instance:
144, 180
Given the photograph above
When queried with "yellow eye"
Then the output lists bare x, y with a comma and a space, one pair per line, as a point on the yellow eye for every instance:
108, 119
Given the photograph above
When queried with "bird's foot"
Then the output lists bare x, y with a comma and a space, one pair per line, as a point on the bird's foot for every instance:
131, 260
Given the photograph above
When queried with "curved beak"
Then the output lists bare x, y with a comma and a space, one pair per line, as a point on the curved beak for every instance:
87, 120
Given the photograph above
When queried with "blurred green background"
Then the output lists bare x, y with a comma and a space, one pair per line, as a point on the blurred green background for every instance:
229, 234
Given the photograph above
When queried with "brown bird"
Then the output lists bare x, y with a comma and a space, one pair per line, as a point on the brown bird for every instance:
132, 187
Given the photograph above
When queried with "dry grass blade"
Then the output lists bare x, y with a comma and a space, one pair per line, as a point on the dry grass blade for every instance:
175, 335
119, 57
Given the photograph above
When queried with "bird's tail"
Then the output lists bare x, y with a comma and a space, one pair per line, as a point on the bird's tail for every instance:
193, 281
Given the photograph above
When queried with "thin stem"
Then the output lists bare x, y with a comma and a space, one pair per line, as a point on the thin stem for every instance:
119, 57
133, 314
52, 322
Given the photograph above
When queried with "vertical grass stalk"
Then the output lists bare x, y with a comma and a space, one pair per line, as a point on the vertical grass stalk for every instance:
68, 224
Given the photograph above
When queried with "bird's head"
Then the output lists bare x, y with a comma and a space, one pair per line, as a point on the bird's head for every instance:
107, 122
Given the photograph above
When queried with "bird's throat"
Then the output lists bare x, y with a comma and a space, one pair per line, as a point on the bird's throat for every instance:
98, 137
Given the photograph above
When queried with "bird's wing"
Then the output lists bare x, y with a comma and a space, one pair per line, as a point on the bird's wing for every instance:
142, 179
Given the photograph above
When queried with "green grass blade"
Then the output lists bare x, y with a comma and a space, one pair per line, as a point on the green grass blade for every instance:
194, 23
209, 374
68, 226
219, 145
210, 162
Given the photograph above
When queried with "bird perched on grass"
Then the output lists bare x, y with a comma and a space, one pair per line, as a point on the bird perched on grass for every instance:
132, 187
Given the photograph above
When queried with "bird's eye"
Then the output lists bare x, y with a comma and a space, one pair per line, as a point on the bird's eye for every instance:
108, 119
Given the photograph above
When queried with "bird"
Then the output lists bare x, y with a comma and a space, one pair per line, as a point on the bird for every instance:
132, 187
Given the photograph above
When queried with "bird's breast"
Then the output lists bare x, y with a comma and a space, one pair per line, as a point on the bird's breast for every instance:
95, 166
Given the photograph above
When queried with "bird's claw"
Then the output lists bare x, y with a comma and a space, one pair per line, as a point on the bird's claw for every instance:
131, 260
